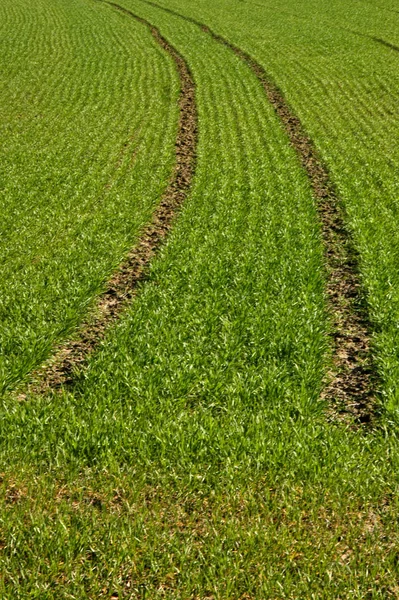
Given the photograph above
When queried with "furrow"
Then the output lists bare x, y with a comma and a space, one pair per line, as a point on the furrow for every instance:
122, 287
350, 387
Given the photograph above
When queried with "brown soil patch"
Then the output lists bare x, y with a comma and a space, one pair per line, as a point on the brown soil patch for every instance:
350, 385
122, 287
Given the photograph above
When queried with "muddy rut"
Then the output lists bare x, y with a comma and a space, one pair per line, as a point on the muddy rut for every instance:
72, 355
350, 387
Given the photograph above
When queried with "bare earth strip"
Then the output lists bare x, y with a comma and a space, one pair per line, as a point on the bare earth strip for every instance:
122, 287
350, 388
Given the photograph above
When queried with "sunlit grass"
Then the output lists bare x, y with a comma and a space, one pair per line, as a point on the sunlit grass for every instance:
193, 458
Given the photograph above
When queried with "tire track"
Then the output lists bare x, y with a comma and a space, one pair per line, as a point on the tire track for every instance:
351, 383
122, 287
373, 38
383, 43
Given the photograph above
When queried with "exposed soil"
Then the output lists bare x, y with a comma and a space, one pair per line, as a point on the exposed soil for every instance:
350, 388
72, 355
350, 385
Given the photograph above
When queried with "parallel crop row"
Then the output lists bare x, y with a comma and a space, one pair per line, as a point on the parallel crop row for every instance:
222, 351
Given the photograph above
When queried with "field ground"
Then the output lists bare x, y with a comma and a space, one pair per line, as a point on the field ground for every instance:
196, 454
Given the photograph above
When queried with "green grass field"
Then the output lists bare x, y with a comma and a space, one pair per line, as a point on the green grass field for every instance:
195, 455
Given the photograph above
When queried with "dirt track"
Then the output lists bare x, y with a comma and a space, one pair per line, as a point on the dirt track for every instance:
350, 385
72, 355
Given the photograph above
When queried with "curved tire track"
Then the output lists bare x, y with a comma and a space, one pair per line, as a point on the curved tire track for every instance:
373, 38
351, 384
384, 43
122, 287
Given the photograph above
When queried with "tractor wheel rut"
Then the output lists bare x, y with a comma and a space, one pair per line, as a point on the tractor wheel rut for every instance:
72, 355
351, 384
